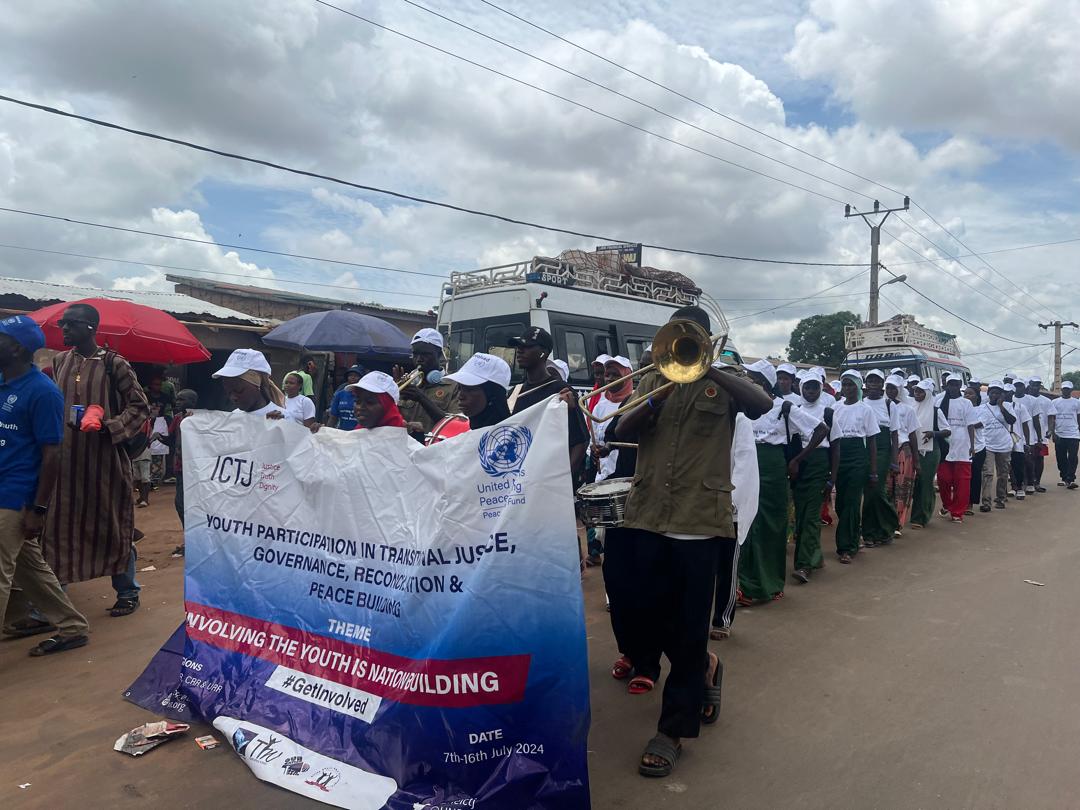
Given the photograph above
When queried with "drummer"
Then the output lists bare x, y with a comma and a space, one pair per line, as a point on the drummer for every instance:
425, 403
482, 385
604, 456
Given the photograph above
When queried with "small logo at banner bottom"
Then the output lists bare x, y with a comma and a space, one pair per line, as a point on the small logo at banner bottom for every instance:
326, 779
502, 450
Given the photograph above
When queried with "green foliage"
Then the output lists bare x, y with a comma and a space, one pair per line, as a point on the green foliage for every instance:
1074, 376
819, 339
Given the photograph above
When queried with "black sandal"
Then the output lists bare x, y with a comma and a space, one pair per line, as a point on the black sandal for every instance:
712, 695
124, 607
58, 644
24, 628
662, 748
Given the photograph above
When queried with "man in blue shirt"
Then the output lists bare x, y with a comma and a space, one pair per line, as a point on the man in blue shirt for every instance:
31, 429
341, 409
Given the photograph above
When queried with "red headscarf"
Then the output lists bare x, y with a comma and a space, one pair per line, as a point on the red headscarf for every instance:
621, 392
391, 415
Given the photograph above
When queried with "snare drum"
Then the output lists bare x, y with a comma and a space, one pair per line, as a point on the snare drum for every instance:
603, 504
447, 428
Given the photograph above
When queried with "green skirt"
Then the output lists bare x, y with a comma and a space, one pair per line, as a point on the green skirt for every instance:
809, 494
922, 509
851, 477
879, 518
763, 557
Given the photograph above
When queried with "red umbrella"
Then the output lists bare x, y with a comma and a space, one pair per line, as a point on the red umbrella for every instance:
140, 334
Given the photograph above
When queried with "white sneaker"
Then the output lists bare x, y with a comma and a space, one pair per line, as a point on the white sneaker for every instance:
1029, 490
1019, 494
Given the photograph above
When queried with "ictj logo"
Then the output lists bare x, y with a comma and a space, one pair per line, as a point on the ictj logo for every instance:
232, 470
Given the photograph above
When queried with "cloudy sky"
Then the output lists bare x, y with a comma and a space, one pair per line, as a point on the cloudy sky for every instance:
969, 107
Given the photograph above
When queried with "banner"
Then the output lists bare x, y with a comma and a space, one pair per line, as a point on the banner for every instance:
373, 623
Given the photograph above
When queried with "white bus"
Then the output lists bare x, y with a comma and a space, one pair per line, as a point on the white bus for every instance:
901, 342
586, 311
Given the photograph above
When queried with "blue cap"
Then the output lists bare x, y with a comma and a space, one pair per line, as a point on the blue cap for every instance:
25, 332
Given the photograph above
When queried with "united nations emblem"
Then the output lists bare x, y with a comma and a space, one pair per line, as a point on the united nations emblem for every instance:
503, 449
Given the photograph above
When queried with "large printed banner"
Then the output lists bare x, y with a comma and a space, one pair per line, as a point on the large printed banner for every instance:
373, 623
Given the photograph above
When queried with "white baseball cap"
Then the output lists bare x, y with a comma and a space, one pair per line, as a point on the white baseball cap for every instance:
764, 368
1035, 380
482, 368
926, 385
1066, 384
242, 361
874, 372
601, 359
378, 383
855, 375
995, 384
620, 360
913, 378
812, 375
895, 379
432, 336
787, 368
564, 370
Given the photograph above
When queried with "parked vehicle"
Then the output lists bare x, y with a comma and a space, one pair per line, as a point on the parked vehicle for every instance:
901, 342
587, 309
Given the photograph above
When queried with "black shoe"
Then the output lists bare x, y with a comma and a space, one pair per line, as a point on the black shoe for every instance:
801, 574
985, 508
124, 607
1073, 485
999, 506
1040, 489
1061, 483
969, 512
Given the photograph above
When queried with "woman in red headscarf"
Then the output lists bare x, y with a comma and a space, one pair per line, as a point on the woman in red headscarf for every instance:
376, 402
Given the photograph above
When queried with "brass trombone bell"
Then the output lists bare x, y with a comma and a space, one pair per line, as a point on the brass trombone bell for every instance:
682, 353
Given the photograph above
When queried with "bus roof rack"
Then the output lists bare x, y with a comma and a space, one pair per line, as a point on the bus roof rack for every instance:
900, 330
598, 272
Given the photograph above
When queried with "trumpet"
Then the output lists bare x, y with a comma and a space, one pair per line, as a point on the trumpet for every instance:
417, 376
683, 352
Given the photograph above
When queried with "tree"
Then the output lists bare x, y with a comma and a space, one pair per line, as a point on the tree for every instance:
1073, 376
819, 339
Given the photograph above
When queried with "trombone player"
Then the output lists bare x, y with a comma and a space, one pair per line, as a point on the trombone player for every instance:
680, 520
425, 398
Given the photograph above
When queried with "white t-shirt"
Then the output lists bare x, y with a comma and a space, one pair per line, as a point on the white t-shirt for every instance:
817, 411
604, 406
961, 416
161, 426
1038, 407
299, 408
1023, 417
884, 411
855, 421
1064, 411
906, 421
772, 428
924, 418
269, 407
1001, 437
793, 398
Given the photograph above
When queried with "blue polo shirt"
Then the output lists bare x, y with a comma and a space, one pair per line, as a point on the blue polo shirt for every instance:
31, 416
342, 408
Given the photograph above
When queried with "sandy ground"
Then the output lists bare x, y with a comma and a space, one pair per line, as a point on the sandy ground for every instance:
926, 675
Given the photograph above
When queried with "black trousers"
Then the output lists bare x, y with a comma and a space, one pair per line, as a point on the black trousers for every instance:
727, 583
674, 584
1066, 450
178, 501
618, 570
1038, 462
977, 462
1018, 472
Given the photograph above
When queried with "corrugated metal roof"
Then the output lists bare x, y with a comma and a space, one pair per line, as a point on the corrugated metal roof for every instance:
174, 303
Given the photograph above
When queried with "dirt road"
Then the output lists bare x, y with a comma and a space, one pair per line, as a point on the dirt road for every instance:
926, 675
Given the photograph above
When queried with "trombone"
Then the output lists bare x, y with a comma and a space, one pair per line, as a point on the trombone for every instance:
682, 352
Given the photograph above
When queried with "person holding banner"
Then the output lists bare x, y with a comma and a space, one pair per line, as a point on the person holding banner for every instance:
681, 515
377, 402
482, 385
245, 377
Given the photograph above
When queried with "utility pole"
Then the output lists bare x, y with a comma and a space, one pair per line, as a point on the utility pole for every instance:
1057, 348
875, 241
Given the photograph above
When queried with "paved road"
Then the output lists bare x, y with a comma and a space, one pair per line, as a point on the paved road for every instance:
926, 675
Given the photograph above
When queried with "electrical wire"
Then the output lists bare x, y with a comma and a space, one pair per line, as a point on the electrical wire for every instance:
809, 297
402, 195
578, 104
992, 252
214, 272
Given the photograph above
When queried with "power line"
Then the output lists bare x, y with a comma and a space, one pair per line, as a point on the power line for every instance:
620, 94
815, 295
578, 104
981, 259
998, 351
211, 272
402, 195
991, 252
685, 97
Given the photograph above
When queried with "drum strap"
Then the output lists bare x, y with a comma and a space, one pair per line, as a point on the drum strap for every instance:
511, 401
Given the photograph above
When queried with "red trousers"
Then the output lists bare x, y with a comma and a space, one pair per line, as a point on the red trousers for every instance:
954, 486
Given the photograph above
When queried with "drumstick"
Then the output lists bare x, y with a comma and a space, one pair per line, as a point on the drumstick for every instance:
622, 444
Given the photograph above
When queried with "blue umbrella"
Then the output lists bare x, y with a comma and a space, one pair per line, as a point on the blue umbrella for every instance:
339, 330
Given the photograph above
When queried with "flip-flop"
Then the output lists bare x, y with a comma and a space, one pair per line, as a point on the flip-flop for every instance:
622, 668
712, 694
640, 685
24, 628
57, 644
662, 748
